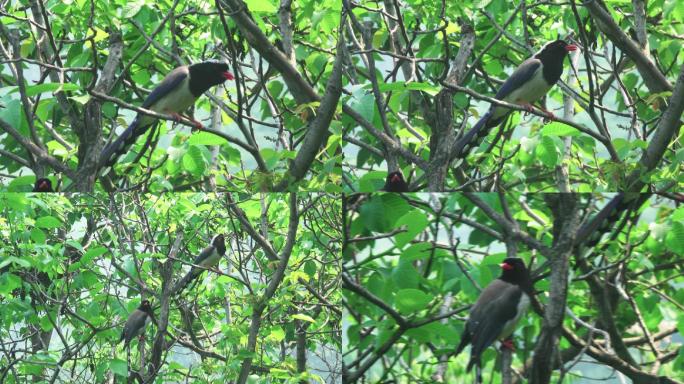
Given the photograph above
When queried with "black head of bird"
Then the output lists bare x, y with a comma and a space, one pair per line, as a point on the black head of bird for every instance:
219, 242
395, 182
43, 185
498, 309
552, 55
207, 74
514, 271
136, 322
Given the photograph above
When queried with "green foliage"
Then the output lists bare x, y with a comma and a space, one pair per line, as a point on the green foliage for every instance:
157, 37
74, 267
415, 51
426, 255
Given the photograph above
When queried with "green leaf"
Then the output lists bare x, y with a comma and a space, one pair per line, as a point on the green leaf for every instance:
559, 129
8, 283
38, 236
428, 88
47, 222
415, 222
266, 6
206, 138
277, 334
416, 252
412, 300
301, 316
119, 367
47, 87
405, 275
675, 238
546, 152
93, 253
13, 259
271, 157
193, 162
365, 106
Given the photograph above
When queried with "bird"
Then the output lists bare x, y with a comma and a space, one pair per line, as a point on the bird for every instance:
43, 185
177, 92
136, 322
208, 258
526, 85
496, 312
395, 183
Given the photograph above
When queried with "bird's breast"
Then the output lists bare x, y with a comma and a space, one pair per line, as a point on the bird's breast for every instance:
521, 309
530, 92
176, 101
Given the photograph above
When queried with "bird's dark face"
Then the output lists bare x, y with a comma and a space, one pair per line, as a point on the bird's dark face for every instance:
514, 270
42, 185
395, 182
145, 306
219, 242
207, 74
558, 48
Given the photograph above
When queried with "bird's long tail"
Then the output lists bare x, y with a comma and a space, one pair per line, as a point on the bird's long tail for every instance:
465, 339
478, 375
120, 146
182, 283
594, 229
476, 134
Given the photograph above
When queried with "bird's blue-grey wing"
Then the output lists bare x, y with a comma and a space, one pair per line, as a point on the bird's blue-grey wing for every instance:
204, 255
170, 82
519, 77
491, 312
134, 324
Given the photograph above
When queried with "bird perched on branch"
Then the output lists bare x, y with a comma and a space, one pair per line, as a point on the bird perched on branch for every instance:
43, 185
136, 323
496, 312
526, 85
208, 258
395, 183
177, 92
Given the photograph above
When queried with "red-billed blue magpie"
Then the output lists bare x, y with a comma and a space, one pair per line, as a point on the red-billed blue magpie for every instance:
526, 85
136, 322
177, 92
498, 309
208, 258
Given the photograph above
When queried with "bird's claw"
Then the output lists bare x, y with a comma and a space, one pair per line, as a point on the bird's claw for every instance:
177, 117
198, 126
549, 115
528, 107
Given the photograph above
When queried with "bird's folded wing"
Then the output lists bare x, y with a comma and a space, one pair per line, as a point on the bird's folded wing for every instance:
496, 306
170, 82
519, 77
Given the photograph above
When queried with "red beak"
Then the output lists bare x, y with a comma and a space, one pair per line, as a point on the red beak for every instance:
506, 266
395, 178
228, 75
571, 47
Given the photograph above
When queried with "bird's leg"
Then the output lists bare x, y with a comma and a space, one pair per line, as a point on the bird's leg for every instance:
528, 107
179, 118
549, 114
508, 344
